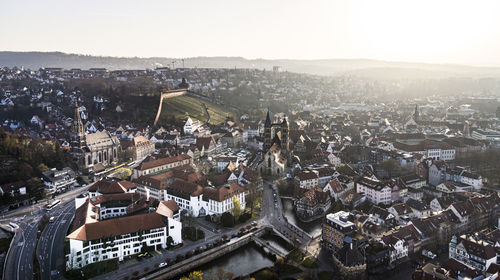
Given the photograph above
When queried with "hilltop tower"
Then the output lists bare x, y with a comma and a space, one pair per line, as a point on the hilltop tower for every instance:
78, 137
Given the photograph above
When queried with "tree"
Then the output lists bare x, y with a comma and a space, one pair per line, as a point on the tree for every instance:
170, 241
236, 207
227, 219
391, 166
35, 188
253, 195
195, 275
42, 168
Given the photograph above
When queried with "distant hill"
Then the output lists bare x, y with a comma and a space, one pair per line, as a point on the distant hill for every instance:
360, 67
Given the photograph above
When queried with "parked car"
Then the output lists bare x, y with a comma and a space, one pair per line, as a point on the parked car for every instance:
162, 264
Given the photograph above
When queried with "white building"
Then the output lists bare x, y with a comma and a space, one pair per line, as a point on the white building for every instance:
190, 126
13, 189
460, 174
473, 252
192, 198
488, 134
59, 180
93, 240
376, 191
398, 248
307, 179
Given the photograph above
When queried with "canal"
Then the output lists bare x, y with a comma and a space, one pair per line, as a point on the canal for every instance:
313, 227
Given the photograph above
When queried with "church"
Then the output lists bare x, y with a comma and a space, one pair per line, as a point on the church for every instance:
93, 151
275, 152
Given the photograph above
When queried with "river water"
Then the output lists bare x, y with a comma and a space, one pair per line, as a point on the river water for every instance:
313, 228
250, 258
243, 261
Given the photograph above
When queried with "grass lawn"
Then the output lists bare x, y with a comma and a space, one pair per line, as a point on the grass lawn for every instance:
309, 263
180, 105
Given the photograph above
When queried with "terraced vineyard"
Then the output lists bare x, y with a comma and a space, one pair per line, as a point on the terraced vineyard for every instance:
182, 106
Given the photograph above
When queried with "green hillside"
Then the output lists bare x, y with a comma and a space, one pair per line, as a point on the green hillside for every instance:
182, 106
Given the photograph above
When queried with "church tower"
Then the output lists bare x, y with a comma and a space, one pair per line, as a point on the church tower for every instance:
267, 132
77, 129
416, 114
284, 134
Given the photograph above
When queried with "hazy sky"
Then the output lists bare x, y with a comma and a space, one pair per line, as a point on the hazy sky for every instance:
465, 32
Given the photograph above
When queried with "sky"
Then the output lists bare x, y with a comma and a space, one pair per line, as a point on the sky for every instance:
437, 31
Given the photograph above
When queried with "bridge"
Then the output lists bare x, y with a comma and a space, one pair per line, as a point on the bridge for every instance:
266, 245
194, 262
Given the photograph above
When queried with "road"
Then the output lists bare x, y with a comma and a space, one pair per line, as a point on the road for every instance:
271, 215
19, 262
50, 250
35, 209
130, 266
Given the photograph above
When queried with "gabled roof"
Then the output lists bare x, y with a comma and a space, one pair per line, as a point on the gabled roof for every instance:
162, 161
307, 175
118, 226
109, 187
222, 193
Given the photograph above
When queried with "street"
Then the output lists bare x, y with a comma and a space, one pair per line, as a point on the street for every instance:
50, 251
19, 262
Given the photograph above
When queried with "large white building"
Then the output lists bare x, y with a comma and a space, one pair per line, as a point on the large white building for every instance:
432, 149
98, 236
375, 191
193, 198
488, 134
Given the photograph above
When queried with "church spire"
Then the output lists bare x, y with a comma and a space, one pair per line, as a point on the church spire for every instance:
78, 133
416, 114
268, 119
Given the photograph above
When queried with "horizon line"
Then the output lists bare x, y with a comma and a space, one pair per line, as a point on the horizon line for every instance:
269, 59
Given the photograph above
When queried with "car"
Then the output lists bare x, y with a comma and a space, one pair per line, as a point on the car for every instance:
52, 219
162, 264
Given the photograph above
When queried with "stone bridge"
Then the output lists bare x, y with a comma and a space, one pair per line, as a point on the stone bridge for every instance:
192, 263
266, 245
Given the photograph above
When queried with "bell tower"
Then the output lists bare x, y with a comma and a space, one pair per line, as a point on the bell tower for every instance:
284, 134
78, 137
267, 132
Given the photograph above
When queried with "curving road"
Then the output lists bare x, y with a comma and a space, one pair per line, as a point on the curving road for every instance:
50, 250
19, 262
